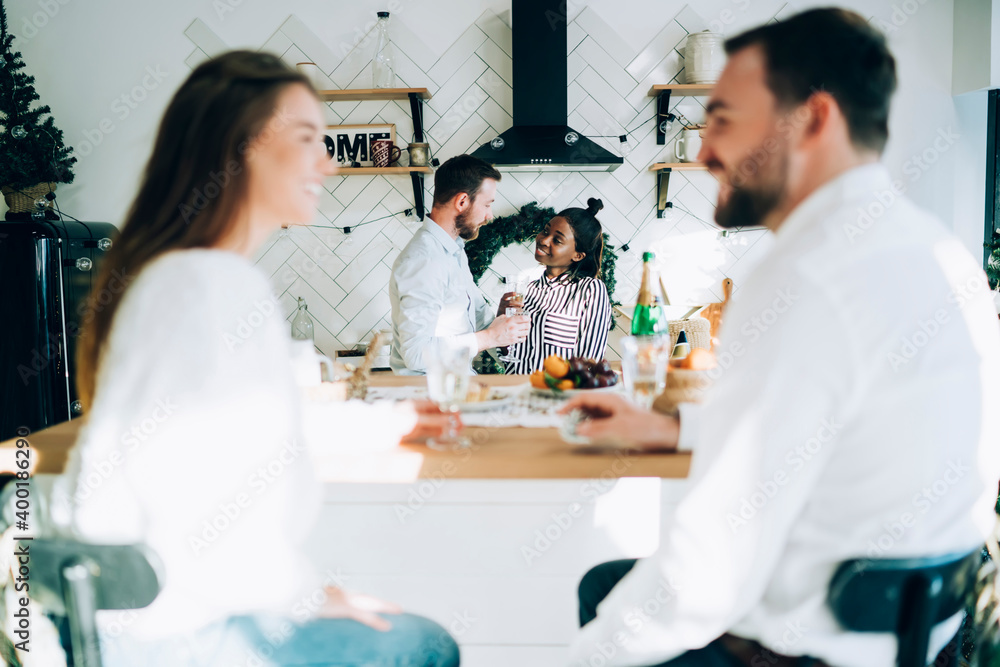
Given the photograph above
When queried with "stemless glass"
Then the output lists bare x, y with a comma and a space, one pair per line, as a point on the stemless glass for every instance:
448, 385
644, 367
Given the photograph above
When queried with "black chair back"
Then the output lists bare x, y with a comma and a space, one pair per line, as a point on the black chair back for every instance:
907, 597
75, 580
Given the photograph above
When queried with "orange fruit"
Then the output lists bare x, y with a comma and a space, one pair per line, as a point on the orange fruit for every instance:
537, 380
700, 359
565, 385
556, 366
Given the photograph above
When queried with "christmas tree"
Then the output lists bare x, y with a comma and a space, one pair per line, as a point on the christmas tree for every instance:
31, 147
993, 267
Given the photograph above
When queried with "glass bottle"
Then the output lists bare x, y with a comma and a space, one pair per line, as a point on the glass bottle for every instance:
682, 348
647, 318
302, 324
383, 71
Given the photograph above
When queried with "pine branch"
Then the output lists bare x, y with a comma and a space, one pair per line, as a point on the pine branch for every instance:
3, 26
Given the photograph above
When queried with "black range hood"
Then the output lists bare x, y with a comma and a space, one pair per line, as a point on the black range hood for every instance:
537, 141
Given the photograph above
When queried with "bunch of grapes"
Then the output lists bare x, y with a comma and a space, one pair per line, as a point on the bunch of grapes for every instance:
590, 374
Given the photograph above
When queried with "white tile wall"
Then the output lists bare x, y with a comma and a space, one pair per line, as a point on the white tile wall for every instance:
344, 278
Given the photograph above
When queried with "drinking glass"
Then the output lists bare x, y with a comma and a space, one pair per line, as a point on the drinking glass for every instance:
448, 385
517, 285
644, 367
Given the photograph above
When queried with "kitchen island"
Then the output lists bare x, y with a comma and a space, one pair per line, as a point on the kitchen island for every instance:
490, 541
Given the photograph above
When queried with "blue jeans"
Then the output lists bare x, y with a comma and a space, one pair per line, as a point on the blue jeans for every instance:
266, 641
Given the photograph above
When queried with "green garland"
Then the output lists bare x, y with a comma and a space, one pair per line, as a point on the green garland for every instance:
521, 227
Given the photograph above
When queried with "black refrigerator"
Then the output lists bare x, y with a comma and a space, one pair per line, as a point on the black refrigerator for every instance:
47, 270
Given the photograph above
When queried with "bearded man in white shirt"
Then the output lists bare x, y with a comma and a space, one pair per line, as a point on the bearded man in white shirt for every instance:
853, 413
432, 292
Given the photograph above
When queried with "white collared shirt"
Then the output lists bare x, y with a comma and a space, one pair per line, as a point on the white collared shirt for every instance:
854, 414
433, 295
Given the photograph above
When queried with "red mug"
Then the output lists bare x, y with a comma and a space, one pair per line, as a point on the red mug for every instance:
384, 153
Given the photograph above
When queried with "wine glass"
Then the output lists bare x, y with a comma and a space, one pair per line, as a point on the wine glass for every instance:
448, 369
644, 367
517, 285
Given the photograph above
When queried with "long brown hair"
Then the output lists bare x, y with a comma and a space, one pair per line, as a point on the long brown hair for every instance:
193, 185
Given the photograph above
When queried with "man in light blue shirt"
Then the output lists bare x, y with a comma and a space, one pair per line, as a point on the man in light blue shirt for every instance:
431, 290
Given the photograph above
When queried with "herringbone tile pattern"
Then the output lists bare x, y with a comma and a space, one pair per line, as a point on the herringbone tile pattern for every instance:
344, 278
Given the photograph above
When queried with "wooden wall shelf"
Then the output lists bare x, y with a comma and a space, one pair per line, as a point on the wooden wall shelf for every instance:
681, 89
662, 94
359, 94
663, 171
374, 171
416, 97
679, 166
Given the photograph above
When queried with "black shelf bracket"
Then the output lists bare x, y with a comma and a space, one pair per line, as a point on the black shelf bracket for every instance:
662, 185
418, 192
417, 112
662, 111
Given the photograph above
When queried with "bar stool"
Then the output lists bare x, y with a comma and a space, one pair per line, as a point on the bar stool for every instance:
907, 597
75, 580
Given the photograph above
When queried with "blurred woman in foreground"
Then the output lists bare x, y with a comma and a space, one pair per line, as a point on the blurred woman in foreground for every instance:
193, 443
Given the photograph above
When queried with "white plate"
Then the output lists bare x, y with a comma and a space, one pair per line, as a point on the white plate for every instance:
499, 397
492, 403
568, 393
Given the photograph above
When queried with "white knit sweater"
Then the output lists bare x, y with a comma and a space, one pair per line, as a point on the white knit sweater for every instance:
194, 444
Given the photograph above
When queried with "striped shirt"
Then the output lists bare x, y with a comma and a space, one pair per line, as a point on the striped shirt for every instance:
570, 318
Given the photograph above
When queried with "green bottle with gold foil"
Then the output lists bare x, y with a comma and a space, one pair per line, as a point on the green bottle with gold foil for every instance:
647, 318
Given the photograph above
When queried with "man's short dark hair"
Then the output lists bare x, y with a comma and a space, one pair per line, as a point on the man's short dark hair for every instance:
832, 50
462, 173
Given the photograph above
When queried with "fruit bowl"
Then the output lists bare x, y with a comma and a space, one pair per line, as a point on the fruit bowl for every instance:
569, 393
566, 377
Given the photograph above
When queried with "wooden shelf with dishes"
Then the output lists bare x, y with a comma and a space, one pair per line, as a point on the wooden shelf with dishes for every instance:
662, 93
374, 171
416, 97
361, 94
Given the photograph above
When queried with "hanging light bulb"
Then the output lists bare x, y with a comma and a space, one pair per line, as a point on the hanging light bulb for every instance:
668, 213
18, 132
624, 147
41, 203
667, 123
497, 144
571, 138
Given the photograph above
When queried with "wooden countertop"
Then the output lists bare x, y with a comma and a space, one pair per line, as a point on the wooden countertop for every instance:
496, 453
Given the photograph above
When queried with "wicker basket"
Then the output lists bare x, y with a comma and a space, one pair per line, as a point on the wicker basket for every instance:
697, 329
683, 386
22, 200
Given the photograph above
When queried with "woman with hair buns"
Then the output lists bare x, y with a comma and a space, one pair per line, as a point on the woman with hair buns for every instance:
569, 306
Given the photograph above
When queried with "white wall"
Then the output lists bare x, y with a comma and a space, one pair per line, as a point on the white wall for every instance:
87, 56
